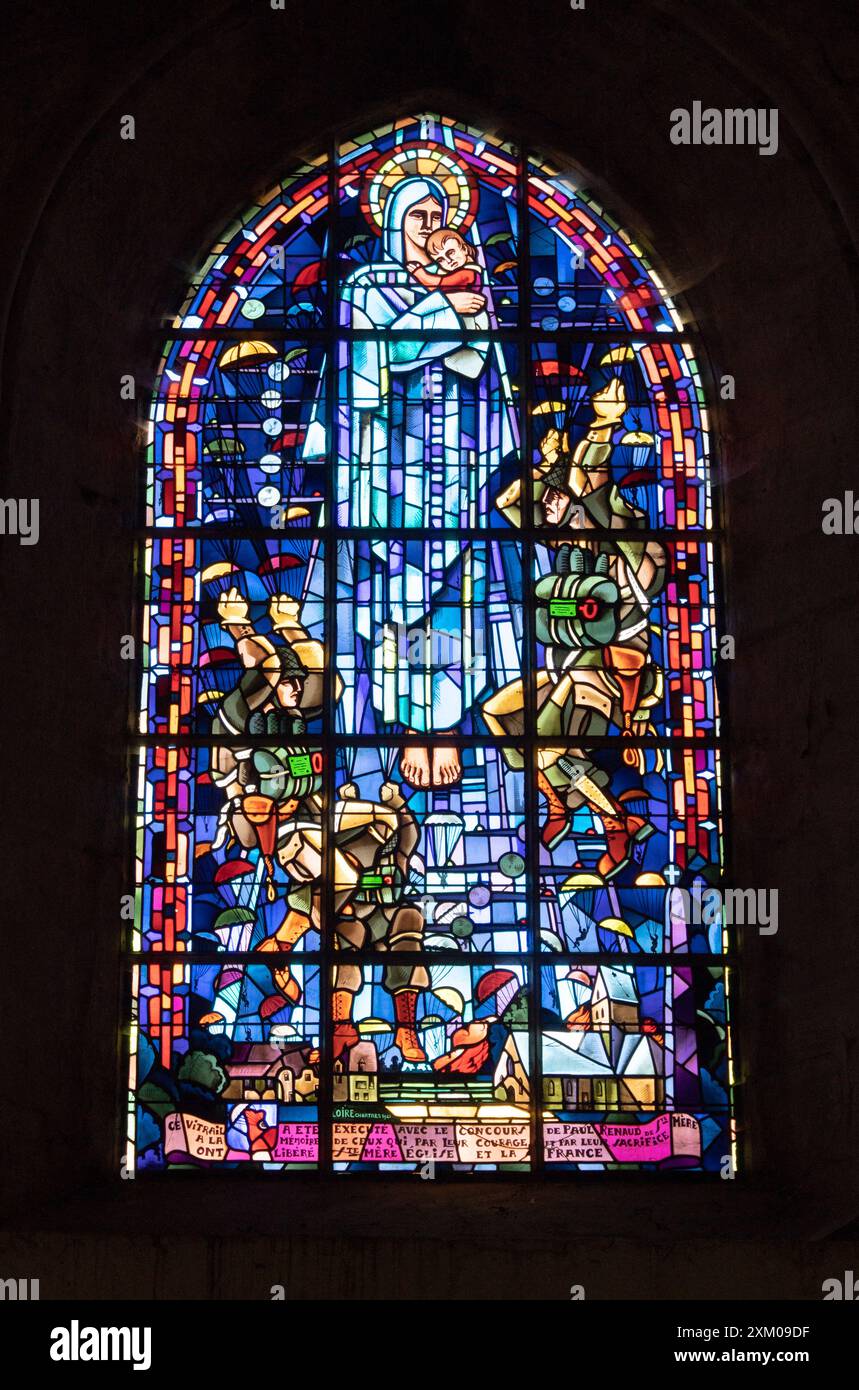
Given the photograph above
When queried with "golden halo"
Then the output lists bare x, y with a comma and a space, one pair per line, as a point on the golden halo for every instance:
425, 160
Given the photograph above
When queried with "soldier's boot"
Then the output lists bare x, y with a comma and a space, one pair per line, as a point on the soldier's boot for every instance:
406, 1037
291, 930
287, 984
622, 832
345, 1032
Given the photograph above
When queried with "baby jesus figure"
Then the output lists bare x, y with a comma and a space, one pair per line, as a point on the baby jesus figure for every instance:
455, 265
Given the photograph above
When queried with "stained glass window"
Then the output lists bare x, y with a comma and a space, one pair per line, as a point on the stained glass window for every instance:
427, 762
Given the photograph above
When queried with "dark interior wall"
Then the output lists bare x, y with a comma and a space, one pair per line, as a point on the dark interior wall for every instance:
102, 235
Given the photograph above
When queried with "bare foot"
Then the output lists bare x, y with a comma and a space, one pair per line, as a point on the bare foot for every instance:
446, 767
415, 767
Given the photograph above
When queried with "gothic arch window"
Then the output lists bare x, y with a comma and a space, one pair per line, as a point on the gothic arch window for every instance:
427, 774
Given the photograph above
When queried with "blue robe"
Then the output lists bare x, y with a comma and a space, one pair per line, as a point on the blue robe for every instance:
422, 425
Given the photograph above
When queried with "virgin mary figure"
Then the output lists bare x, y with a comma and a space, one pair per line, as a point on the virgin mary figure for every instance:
424, 421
